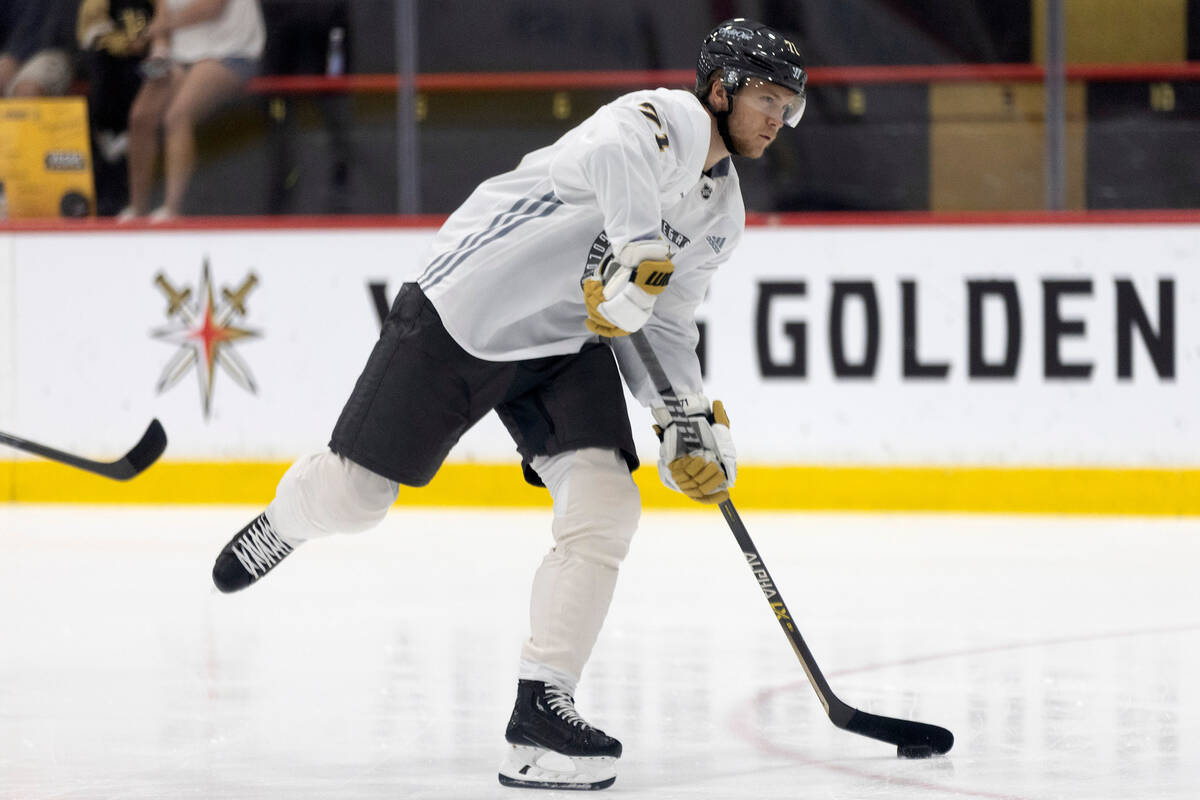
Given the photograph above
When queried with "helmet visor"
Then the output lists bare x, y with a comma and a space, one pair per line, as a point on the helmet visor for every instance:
773, 100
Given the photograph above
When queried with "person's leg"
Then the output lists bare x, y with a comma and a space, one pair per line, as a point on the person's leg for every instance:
596, 511
23, 86
46, 74
9, 66
120, 84
145, 117
320, 494
417, 394
573, 431
207, 85
571, 426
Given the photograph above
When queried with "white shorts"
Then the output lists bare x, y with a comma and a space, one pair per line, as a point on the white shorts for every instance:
49, 69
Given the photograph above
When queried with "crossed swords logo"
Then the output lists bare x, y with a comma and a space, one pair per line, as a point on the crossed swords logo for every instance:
202, 328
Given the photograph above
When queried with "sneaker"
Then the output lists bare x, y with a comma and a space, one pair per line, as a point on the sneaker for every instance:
545, 728
112, 146
254, 552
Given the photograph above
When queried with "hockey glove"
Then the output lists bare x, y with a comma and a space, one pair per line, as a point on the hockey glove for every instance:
621, 300
704, 474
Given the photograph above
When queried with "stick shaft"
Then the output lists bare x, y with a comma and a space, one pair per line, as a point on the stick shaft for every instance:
900, 732
833, 706
691, 437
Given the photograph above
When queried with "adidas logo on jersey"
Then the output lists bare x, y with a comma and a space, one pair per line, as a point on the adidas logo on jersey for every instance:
716, 243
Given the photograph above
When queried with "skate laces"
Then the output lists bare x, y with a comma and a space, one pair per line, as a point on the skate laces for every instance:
563, 705
260, 548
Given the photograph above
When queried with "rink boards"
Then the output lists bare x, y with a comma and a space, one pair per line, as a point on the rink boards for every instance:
1001, 366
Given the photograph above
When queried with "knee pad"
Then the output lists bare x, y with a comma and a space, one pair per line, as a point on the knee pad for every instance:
324, 493
596, 504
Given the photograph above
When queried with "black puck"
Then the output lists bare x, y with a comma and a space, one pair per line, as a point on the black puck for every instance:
914, 751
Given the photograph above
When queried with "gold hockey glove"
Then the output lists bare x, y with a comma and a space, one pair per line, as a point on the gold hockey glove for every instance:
704, 474
623, 300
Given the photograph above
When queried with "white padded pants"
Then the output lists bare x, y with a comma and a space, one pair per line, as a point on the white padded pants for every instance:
324, 493
596, 511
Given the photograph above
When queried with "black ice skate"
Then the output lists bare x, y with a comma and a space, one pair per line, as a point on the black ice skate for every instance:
544, 722
251, 554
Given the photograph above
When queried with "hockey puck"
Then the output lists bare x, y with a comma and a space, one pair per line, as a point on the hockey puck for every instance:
914, 751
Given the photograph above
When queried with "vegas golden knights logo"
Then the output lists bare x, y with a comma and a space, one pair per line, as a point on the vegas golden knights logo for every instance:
202, 328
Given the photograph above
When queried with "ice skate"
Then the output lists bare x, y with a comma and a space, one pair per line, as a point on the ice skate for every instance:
552, 746
254, 552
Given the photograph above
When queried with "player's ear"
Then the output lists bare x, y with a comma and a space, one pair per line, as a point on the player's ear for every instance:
718, 98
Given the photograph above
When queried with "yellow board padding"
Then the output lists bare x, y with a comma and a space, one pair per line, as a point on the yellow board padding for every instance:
46, 157
785, 488
1116, 31
986, 145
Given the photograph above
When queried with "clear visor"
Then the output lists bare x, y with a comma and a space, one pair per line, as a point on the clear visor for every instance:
773, 100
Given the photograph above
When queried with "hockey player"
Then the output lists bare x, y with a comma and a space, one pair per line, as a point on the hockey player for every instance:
531, 285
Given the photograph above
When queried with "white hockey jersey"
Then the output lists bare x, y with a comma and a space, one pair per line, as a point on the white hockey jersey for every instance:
505, 269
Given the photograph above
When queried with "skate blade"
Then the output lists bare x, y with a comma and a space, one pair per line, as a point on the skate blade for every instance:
523, 784
535, 768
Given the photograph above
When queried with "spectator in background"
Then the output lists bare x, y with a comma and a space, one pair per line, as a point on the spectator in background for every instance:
37, 55
9, 14
308, 38
109, 32
201, 53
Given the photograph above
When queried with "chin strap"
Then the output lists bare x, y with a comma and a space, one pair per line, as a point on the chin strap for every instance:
723, 124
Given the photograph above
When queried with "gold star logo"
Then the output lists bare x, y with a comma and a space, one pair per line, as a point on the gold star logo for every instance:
203, 331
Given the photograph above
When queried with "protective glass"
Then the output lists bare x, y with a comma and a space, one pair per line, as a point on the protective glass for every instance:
764, 96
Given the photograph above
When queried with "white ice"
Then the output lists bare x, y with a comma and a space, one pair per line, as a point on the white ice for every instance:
1063, 653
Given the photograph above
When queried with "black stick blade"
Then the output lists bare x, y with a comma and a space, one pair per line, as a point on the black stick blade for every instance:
900, 732
143, 454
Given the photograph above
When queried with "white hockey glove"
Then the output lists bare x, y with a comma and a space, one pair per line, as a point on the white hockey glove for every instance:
621, 300
704, 474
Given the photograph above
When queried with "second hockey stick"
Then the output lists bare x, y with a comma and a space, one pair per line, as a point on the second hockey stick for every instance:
144, 453
912, 739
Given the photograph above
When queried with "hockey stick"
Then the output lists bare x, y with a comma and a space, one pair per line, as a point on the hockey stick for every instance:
912, 739
143, 454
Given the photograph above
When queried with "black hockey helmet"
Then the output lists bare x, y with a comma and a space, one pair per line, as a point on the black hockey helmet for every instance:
745, 49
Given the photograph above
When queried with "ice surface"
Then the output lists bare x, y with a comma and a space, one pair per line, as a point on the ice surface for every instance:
1063, 653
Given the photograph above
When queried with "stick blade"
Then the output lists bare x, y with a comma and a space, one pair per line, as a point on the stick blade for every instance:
152, 445
901, 732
